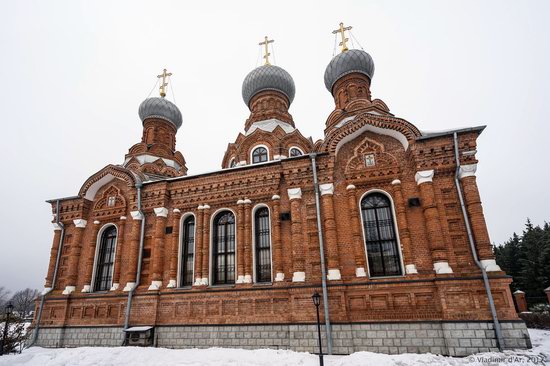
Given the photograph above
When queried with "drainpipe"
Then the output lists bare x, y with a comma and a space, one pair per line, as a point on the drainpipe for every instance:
496, 323
322, 253
58, 257
140, 259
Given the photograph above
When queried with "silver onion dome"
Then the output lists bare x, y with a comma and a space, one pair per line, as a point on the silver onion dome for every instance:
268, 77
160, 108
346, 63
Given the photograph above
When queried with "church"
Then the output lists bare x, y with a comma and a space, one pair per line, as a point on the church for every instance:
381, 218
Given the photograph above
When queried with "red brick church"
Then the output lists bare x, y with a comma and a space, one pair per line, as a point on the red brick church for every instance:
378, 216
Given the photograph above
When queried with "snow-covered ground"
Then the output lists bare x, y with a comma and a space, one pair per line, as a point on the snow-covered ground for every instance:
133, 356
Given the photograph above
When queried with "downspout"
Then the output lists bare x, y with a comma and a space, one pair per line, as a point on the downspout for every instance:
328, 329
496, 323
140, 259
57, 259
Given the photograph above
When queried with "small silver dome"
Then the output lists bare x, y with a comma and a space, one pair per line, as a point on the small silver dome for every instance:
346, 63
160, 108
268, 77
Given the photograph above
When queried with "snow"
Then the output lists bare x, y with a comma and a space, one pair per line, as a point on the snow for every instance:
135, 356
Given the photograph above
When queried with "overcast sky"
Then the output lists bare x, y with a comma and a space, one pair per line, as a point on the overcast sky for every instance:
73, 74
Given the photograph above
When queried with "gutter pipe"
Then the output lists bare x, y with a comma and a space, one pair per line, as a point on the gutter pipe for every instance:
54, 280
498, 331
328, 329
140, 259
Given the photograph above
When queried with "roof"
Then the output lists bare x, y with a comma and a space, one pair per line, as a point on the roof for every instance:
432, 134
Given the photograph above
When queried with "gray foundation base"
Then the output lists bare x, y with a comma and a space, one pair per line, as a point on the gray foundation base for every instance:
446, 338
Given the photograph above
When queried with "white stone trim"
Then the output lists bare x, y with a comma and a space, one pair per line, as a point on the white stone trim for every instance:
298, 277
129, 286
379, 130
68, 290
327, 188
121, 217
171, 284
136, 215
442, 268
97, 222
360, 272
247, 279
424, 176
155, 285
295, 147
240, 279
395, 182
467, 171
204, 281
56, 226
279, 277
294, 193
240, 202
276, 197
334, 275
46, 290
86, 288
80, 223
518, 292
490, 265
247, 201
411, 269
350, 187
205, 207
114, 287
269, 125
198, 281
161, 211
147, 158
176, 210
241, 163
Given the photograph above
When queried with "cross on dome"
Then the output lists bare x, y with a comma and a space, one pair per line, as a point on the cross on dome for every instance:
163, 84
342, 31
266, 43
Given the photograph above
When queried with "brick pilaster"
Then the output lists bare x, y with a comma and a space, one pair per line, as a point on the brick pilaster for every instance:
174, 249
205, 244
331, 236
240, 241
247, 241
477, 219
276, 239
298, 262
358, 245
74, 256
198, 246
433, 225
157, 249
403, 226
133, 250
53, 256
90, 258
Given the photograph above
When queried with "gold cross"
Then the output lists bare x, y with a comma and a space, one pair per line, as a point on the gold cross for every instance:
266, 42
164, 83
341, 30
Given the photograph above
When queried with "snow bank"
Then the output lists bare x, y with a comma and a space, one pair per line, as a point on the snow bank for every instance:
134, 356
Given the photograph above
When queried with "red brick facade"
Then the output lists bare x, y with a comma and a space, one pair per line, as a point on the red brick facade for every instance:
440, 280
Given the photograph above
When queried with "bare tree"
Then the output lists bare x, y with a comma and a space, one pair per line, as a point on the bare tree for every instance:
4, 296
23, 301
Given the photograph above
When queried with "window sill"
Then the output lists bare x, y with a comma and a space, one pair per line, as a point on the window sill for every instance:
229, 285
262, 284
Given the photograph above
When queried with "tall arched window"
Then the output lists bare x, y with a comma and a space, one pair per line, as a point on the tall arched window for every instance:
105, 260
262, 244
187, 251
380, 236
223, 250
259, 155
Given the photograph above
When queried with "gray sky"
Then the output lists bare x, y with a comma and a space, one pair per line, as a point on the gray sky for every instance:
75, 72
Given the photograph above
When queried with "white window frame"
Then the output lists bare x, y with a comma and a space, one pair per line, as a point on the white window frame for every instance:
254, 149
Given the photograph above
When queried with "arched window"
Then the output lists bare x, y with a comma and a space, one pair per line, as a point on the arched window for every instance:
187, 251
232, 163
223, 250
259, 155
105, 260
380, 236
262, 244
294, 151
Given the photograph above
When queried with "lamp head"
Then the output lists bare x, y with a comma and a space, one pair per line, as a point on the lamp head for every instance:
316, 298
9, 308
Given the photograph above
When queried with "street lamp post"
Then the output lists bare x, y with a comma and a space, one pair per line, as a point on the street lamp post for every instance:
9, 309
317, 301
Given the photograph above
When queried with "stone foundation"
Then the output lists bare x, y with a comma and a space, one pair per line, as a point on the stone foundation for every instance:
447, 338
